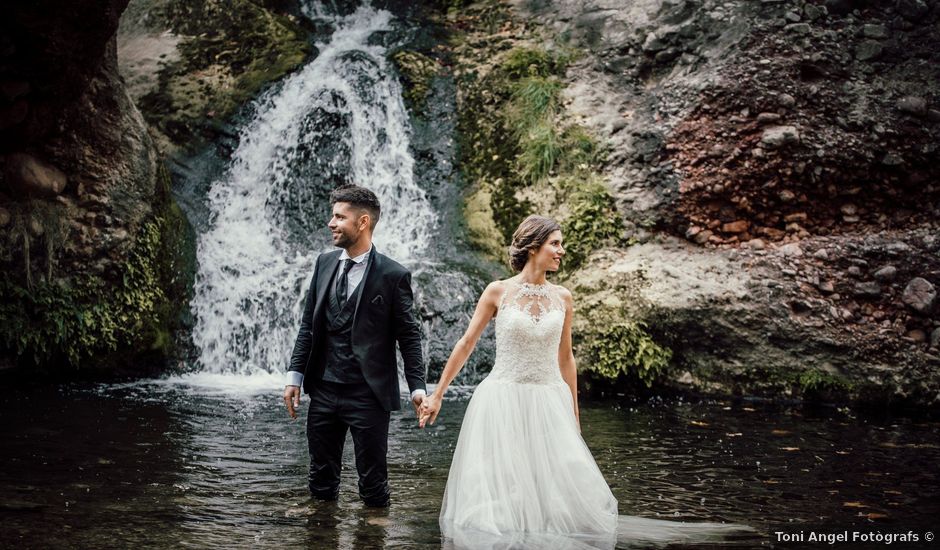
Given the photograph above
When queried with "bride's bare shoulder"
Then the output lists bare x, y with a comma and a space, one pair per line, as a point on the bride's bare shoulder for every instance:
496, 288
563, 293
492, 294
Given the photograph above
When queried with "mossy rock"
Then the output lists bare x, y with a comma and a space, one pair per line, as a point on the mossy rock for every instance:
229, 52
528, 61
481, 226
511, 136
418, 71
593, 222
612, 341
88, 320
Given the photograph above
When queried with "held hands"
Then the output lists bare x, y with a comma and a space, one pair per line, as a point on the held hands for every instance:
426, 408
416, 402
429, 410
292, 400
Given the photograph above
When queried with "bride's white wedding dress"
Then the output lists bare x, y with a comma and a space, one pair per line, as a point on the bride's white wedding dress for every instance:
522, 476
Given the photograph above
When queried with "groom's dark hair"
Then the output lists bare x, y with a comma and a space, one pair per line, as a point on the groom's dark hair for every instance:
358, 197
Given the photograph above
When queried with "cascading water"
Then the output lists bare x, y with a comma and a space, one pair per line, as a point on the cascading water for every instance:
340, 118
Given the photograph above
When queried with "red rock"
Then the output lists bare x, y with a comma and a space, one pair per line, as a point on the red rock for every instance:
770, 232
738, 226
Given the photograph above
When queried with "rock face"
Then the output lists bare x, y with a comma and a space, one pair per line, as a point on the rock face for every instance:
28, 176
94, 247
920, 295
191, 64
802, 137
757, 118
775, 323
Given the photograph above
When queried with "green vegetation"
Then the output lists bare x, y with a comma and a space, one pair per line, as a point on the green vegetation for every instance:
417, 70
814, 382
541, 149
86, 316
534, 101
623, 348
478, 214
513, 140
83, 315
593, 221
230, 51
613, 342
39, 221
582, 153
530, 61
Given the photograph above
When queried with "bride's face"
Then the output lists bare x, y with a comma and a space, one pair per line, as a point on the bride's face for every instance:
548, 256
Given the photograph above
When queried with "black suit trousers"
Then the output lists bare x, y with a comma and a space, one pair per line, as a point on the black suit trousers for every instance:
334, 409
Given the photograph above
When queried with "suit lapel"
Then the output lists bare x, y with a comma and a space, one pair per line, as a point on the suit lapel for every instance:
323, 284
372, 268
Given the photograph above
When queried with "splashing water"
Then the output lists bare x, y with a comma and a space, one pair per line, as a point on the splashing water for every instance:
339, 118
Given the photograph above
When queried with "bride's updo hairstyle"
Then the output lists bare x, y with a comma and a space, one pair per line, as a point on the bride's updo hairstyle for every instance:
530, 235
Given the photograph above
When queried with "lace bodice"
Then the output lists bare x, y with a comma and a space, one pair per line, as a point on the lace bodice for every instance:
528, 331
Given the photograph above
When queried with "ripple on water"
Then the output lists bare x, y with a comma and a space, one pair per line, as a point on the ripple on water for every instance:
169, 463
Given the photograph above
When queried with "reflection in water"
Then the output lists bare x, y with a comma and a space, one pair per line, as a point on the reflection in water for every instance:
77, 470
159, 465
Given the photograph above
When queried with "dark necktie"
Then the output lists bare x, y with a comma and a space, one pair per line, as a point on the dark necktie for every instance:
343, 282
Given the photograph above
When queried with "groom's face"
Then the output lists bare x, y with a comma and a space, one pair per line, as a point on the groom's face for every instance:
347, 224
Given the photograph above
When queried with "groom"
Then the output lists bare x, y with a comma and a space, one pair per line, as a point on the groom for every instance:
358, 306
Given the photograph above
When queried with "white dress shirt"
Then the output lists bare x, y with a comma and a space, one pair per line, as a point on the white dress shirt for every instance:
354, 277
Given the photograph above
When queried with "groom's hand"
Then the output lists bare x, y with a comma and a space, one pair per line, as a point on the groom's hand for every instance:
292, 400
429, 411
416, 403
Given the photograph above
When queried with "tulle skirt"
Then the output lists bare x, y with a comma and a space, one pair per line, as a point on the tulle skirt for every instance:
522, 477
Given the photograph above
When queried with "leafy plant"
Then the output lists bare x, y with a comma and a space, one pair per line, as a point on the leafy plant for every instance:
541, 148
523, 61
593, 221
86, 316
624, 348
813, 381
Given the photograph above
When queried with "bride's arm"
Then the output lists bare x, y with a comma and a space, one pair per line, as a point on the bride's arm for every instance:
485, 310
569, 371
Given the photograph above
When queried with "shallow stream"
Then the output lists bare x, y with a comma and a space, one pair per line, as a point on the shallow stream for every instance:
216, 462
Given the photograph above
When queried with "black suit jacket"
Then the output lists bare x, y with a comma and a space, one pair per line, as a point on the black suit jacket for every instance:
383, 316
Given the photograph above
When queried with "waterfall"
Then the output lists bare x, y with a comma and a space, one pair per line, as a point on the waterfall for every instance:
339, 118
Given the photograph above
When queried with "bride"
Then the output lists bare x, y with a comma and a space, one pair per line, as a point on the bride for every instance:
521, 473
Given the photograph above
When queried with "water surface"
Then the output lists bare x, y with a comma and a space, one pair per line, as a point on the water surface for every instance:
167, 465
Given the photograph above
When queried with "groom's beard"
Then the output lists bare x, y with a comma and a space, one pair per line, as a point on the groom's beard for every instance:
344, 241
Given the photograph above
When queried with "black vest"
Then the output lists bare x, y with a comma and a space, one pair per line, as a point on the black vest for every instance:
341, 365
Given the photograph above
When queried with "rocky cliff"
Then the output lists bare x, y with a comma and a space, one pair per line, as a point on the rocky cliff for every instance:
190, 65
95, 249
773, 167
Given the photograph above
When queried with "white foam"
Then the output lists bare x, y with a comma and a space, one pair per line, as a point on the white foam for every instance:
250, 283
